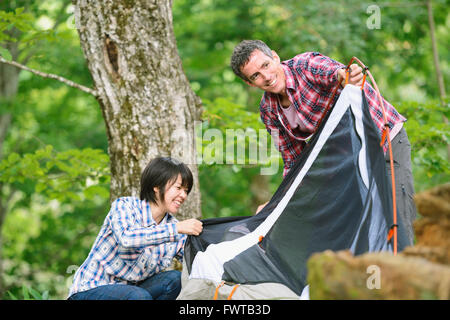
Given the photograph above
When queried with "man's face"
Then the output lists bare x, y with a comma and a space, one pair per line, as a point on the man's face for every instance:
265, 72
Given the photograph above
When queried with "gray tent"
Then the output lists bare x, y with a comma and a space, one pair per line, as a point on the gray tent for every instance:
337, 196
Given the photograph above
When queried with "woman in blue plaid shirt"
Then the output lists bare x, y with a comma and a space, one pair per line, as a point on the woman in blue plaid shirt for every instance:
138, 240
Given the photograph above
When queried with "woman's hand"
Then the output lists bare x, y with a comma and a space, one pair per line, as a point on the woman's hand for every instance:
191, 227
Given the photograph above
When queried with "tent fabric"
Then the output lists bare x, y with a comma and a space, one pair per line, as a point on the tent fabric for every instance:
205, 289
337, 196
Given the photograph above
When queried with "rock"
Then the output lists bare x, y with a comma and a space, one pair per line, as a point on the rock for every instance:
339, 275
433, 229
433, 254
419, 272
434, 202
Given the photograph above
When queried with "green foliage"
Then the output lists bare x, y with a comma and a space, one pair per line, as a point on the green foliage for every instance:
57, 200
429, 136
239, 129
25, 23
74, 174
19, 19
68, 201
225, 114
235, 148
28, 293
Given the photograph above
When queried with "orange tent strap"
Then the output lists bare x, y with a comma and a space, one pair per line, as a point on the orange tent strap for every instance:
347, 73
385, 136
232, 291
394, 199
390, 234
216, 293
364, 81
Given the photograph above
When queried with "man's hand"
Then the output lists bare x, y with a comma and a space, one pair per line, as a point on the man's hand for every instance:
191, 227
260, 207
355, 77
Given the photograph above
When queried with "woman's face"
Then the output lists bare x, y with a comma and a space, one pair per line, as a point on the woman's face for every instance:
174, 196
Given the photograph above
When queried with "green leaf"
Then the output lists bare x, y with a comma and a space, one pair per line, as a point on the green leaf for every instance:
13, 158
40, 186
5, 54
92, 191
45, 295
13, 297
26, 295
19, 10
36, 295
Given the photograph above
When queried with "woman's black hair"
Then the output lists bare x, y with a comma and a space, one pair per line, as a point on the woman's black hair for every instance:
158, 173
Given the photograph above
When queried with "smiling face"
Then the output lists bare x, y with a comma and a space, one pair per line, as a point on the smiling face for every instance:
265, 72
174, 196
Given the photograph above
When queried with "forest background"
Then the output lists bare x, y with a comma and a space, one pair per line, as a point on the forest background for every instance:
54, 164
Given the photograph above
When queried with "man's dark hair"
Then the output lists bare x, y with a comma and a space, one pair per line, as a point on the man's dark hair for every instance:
158, 173
243, 51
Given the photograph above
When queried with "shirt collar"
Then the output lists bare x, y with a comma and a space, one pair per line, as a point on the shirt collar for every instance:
147, 218
290, 80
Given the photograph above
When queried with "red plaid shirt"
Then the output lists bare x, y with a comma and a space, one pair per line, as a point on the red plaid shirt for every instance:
310, 80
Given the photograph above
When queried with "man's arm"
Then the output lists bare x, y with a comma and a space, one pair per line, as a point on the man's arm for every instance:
327, 72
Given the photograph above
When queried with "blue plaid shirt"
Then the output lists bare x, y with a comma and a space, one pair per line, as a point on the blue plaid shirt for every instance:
130, 247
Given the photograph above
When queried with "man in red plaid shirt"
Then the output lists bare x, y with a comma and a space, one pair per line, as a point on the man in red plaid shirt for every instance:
296, 93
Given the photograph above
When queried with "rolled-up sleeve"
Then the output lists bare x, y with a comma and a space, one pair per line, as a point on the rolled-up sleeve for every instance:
321, 70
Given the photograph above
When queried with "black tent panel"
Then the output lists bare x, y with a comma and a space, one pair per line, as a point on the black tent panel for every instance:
337, 196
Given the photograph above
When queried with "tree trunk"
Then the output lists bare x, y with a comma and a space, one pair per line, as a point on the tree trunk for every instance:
146, 100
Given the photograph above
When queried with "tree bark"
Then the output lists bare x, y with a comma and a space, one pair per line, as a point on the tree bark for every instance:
147, 103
